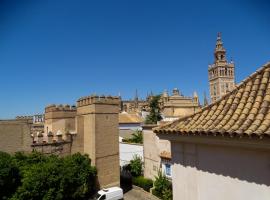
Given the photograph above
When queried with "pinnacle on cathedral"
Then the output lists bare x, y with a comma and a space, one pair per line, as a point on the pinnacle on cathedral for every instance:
205, 100
136, 97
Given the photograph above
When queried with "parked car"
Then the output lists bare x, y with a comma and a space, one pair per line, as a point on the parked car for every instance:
113, 193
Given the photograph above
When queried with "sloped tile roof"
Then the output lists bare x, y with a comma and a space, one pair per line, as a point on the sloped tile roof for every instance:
129, 118
243, 111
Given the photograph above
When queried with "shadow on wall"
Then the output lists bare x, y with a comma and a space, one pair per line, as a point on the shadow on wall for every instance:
251, 165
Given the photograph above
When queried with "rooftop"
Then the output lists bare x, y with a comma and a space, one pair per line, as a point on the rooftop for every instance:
129, 118
245, 111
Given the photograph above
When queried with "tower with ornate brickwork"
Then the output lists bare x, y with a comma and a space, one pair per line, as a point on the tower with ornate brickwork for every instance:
221, 73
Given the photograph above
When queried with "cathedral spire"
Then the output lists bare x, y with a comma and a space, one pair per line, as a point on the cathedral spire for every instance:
205, 100
220, 51
136, 98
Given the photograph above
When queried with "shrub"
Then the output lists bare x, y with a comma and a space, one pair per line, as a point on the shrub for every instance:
162, 187
136, 166
9, 176
137, 137
125, 180
167, 194
142, 182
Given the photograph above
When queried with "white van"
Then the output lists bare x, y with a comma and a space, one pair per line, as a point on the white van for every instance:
113, 193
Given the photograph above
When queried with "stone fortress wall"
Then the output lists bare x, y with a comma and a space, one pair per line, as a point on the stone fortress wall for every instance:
15, 135
90, 128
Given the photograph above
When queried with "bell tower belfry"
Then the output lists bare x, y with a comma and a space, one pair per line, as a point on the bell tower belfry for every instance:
220, 73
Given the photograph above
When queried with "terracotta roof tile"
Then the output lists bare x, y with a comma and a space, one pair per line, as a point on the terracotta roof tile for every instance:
165, 155
245, 110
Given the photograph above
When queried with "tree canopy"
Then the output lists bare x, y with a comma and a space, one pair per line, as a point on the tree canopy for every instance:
154, 115
48, 177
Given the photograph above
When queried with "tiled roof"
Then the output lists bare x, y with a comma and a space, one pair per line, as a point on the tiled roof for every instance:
243, 111
129, 118
165, 155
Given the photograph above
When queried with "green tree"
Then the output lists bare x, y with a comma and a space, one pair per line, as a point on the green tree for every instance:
154, 115
78, 177
136, 166
162, 187
9, 176
51, 177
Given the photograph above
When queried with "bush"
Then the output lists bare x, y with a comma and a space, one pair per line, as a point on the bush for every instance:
50, 177
137, 137
136, 166
9, 176
162, 187
142, 182
125, 180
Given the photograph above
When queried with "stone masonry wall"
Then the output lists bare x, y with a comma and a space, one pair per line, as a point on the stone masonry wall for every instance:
15, 136
97, 128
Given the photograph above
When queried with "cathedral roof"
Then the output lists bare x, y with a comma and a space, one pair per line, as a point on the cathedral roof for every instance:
245, 111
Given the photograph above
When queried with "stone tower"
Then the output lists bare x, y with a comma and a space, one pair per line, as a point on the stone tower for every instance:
220, 73
59, 119
97, 136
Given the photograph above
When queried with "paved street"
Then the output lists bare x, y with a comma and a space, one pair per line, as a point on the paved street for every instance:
136, 194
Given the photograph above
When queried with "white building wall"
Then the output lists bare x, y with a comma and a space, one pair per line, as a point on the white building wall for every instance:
127, 151
203, 172
133, 126
153, 146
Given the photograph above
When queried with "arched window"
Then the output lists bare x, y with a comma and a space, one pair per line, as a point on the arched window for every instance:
221, 57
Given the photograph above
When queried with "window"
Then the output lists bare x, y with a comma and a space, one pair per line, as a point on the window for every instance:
168, 169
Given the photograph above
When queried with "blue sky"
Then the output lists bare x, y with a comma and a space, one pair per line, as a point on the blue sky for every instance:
56, 51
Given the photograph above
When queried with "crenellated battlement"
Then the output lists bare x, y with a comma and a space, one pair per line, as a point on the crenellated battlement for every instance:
94, 99
39, 138
60, 107
24, 117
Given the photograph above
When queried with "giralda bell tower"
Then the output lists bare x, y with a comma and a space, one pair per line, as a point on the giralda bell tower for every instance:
220, 73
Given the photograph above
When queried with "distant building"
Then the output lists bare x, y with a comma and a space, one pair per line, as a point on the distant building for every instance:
38, 119
177, 105
135, 105
221, 74
172, 106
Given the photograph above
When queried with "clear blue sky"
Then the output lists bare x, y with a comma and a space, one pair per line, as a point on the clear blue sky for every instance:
59, 50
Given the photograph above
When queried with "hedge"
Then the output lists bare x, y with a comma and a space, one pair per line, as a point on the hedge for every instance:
142, 182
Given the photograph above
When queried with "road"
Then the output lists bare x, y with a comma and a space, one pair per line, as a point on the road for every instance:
136, 194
